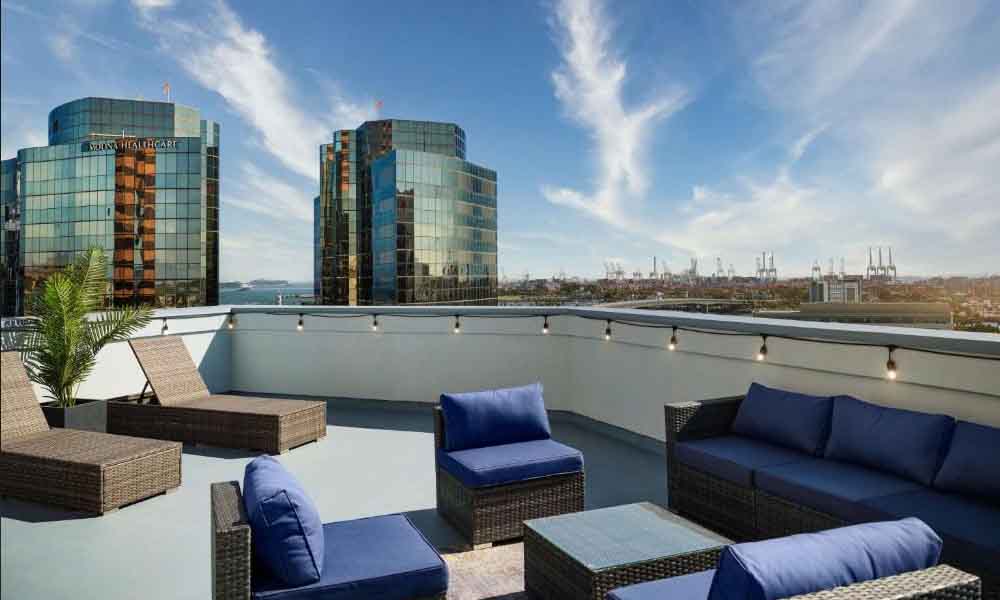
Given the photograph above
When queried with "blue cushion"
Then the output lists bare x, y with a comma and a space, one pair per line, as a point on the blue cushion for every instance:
497, 465
734, 457
285, 527
907, 443
384, 558
811, 562
972, 465
830, 487
970, 527
797, 421
494, 417
693, 586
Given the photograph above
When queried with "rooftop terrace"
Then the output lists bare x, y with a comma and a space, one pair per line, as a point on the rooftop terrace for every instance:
605, 396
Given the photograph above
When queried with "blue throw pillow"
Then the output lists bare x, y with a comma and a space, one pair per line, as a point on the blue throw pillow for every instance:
972, 465
907, 443
810, 562
285, 528
790, 419
494, 417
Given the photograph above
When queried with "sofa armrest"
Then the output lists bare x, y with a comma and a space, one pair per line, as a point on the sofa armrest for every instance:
438, 428
700, 419
940, 582
231, 553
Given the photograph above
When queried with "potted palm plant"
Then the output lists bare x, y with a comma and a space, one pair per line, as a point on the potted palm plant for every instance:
64, 337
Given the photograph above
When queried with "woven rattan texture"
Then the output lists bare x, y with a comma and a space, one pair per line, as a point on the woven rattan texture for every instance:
169, 369
20, 414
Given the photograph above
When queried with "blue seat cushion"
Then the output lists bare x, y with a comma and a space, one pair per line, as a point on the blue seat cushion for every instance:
811, 562
907, 443
286, 531
494, 417
383, 558
693, 586
508, 463
790, 419
972, 465
831, 487
970, 526
734, 457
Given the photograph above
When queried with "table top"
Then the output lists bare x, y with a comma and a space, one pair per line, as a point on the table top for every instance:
622, 535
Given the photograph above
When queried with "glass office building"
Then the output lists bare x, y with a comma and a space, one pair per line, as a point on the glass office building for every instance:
139, 179
404, 218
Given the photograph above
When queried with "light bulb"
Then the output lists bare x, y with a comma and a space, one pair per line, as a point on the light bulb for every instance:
762, 353
607, 332
374, 322
301, 324
545, 326
232, 322
672, 344
458, 325
890, 366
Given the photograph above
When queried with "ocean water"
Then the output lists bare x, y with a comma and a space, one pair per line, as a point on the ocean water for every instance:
292, 294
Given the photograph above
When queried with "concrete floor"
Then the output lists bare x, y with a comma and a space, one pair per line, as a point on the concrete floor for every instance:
376, 459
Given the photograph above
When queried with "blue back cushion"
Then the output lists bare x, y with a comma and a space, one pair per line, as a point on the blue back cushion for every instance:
907, 443
810, 562
972, 465
494, 417
797, 421
285, 528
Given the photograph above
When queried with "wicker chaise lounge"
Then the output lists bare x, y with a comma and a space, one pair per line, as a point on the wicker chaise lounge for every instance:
81, 470
185, 411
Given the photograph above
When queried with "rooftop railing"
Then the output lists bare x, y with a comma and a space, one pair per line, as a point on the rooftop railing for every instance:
617, 366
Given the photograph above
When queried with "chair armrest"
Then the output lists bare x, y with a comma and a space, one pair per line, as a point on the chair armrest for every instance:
700, 419
940, 582
231, 554
438, 428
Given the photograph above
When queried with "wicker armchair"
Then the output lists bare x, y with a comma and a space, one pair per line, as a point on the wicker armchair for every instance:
232, 555
185, 411
491, 514
81, 470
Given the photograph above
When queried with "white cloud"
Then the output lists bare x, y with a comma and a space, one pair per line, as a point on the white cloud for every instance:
63, 46
267, 195
246, 255
152, 4
802, 144
223, 55
590, 85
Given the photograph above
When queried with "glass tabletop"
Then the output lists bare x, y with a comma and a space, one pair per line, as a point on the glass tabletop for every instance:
621, 535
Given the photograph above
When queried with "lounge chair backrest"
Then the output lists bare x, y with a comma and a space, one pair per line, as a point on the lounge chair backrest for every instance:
20, 413
169, 369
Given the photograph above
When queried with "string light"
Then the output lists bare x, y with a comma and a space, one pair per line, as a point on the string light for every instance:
232, 321
890, 365
545, 326
672, 345
458, 325
607, 332
163, 330
374, 322
762, 353
301, 324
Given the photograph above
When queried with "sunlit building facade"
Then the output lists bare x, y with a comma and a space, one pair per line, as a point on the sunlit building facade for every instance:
403, 218
139, 179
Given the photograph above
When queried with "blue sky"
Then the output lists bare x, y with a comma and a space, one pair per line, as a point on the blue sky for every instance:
619, 130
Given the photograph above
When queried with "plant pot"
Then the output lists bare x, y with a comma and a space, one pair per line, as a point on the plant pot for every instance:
90, 415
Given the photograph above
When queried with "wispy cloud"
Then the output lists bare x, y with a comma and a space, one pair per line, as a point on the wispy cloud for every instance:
590, 84
222, 54
264, 194
246, 255
63, 46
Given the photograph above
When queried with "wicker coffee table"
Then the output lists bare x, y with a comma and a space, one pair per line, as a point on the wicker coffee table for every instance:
584, 555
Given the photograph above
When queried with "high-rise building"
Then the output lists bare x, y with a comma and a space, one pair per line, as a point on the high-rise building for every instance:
403, 218
139, 179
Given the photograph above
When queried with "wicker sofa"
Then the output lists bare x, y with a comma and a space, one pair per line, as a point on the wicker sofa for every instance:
877, 561
497, 465
872, 463
81, 470
182, 409
379, 557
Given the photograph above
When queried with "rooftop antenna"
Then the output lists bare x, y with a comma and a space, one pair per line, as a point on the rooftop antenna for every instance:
166, 90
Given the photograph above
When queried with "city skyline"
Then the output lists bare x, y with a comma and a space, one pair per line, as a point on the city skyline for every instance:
622, 131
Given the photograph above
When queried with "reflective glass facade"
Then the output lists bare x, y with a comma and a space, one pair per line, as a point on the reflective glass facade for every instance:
150, 198
403, 218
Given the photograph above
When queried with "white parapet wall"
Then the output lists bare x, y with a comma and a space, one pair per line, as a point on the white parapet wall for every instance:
415, 355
